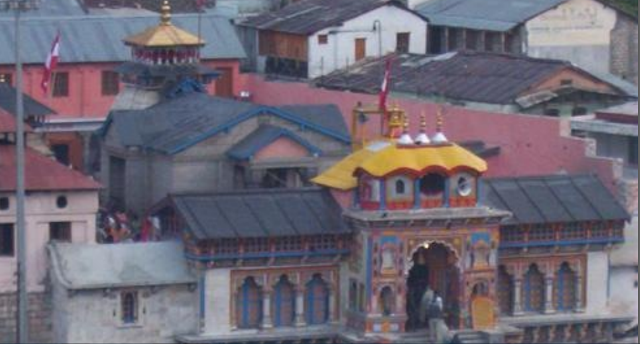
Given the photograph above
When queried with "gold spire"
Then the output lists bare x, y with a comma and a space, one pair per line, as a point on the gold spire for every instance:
423, 122
165, 16
405, 123
439, 120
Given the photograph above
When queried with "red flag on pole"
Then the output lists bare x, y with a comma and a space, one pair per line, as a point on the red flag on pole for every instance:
51, 63
384, 89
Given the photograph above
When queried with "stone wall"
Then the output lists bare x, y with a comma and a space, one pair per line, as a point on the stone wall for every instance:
624, 49
40, 330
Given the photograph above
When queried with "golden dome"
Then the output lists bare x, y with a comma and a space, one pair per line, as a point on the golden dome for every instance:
164, 34
381, 159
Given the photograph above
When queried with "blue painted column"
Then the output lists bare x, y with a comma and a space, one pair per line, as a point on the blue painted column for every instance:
416, 194
202, 286
383, 194
447, 192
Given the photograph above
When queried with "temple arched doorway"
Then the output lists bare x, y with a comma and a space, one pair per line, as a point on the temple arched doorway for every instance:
433, 264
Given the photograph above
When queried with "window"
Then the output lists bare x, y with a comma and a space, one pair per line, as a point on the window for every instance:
256, 245
60, 84
110, 83
4, 203
129, 307
534, 292
541, 233
573, 231
289, 244
249, 305
6, 78
552, 112
505, 291
323, 39
317, 301
60, 231
6, 240
61, 153
284, 309
225, 246
566, 82
402, 42
578, 111
61, 202
512, 234
400, 187
565, 288
599, 230
432, 184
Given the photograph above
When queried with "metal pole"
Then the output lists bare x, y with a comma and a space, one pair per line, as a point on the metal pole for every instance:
20, 192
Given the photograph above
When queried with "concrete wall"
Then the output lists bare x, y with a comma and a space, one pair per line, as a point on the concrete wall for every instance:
624, 48
529, 145
164, 312
624, 291
41, 209
578, 31
598, 280
217, 301
85, 86
339, 51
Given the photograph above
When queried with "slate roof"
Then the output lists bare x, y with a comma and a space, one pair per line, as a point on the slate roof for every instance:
262, 137
99, 38
31, 106
490, 15
484, 77
41, 173
93, 266
306, 17
552, 199
177, 124
261, 213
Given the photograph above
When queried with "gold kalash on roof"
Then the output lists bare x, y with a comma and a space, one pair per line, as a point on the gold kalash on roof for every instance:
395, 152
164, 34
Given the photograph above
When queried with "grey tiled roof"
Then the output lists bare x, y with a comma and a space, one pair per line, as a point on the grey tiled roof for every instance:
491, 15
31, 106
484, 77
51, 8
92, 266
309, 16
553, 199
99, 38
261, 213
176, 124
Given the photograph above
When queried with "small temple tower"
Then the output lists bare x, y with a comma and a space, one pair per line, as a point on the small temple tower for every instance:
418, 223
165, 62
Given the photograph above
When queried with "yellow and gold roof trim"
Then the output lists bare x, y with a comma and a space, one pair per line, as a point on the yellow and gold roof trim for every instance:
164, 34
385, 158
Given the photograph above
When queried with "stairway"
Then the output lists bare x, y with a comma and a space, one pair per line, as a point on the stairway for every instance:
470, 337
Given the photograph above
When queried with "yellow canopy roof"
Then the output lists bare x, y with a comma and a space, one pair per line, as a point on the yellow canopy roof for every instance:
383, 158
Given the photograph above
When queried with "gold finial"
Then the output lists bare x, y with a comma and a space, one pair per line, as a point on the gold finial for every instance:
405, 123
439, 120
423, 122
165, 13
2, 79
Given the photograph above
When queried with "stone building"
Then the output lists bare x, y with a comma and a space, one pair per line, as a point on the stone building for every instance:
590, 33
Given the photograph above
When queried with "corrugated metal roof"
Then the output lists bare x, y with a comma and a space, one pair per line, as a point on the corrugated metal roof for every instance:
491, 15
31, 106
92, 266
99, 39
263, 136
309, 16
201, 116
51, 8
553, 199
261, 213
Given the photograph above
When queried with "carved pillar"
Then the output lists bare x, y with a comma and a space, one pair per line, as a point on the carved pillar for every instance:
332, 306
300, 321
548, 299
517, 296
579, 307
266, 310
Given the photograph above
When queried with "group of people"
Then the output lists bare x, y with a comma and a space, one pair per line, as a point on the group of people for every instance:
431, 309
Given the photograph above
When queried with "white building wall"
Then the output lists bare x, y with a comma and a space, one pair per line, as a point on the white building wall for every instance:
624, 291
339, 51
40, 210
597, 282
217, 301
578, 31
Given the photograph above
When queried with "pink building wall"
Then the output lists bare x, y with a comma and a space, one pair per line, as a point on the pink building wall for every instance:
282, 148
530, 145
85, 86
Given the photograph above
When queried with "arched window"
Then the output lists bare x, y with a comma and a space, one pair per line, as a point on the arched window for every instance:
533, 290
400, 187
565, 288
432, 184
284, 309
386, 301
249, 304
317, 301
129, 307
505, 291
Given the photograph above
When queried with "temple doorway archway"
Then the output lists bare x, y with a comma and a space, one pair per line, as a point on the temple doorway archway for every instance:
433, 264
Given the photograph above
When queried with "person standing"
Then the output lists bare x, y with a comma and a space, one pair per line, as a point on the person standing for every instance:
437, 328
425, 303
